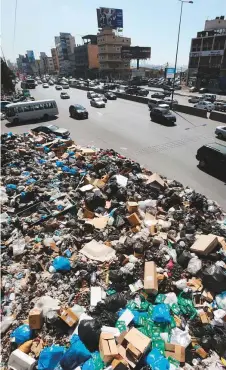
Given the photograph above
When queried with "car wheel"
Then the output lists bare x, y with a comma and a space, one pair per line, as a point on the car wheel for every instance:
16, 121
46, 117
202, 163
220, 136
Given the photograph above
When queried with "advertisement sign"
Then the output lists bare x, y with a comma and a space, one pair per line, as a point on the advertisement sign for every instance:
31, 56
207, 53
135, 52
109, 17
170, 72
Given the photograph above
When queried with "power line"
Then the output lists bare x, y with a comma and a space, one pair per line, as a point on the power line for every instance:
14, 32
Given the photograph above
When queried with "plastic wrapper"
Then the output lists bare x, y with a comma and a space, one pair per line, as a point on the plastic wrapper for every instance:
161, 313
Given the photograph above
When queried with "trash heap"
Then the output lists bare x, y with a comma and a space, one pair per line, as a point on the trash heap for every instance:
106, 265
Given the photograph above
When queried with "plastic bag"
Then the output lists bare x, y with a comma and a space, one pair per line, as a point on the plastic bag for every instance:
181, 337
22, 334
94, 363
194, 265
156, 360
214, 279
184, 258
61, 264
186, 306
161, 313
89, 333
115, 302
221, 300
50, 357
75, 355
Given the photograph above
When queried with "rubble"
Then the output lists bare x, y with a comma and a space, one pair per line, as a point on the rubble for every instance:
106, 265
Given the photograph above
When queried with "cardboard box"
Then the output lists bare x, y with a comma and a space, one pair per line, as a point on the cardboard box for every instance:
134, 219
132, 207
222, 242
88, 214
208, 296
204, 317
87, 151
35, 318
150, 278
133, 346
176, 351
156, 181
99, 183
107, 347
119, 364
69, 317
205, 244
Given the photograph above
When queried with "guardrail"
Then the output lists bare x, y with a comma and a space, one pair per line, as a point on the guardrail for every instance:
190, 110
217, 116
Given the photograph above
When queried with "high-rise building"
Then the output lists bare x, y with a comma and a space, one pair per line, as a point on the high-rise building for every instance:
51, 68
44, 67
109, 54
207, 59
65, 44
86, 57
55, 59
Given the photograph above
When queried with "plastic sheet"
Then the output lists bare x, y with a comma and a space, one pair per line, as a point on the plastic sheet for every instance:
50, 357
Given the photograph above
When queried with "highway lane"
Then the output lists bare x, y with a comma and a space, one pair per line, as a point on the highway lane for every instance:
126, 127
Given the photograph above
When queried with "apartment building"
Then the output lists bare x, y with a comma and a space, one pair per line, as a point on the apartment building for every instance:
55, 59
86, 58
65, 44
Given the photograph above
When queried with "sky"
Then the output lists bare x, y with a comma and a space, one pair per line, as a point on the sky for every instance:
151, 23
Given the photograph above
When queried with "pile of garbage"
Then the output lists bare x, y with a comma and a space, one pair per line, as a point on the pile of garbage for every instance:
106, 265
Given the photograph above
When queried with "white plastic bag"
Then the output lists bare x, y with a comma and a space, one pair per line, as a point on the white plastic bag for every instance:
221, 300
180, 337
194, 265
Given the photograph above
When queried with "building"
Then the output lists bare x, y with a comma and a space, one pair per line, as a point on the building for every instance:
86, 61
51, 68
55, 59
109, 54
207, 59
65, 44
44, 67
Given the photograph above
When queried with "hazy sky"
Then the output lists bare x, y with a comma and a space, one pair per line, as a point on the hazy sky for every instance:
148, 22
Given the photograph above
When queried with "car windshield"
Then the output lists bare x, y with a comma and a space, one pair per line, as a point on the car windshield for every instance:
53, 127
79, 107
63, 93
98, 100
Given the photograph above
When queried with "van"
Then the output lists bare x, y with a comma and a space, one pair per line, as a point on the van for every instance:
212, 157
154, 102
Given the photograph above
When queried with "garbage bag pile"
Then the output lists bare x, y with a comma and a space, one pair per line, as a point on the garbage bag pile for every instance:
106, 265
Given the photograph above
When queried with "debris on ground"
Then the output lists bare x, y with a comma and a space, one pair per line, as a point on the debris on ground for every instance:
106, 265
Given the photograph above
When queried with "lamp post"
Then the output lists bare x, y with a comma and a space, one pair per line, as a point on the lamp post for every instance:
178, 40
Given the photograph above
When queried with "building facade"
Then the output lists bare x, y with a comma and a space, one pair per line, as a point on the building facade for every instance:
51, 69
86, 58
109, 54
55, 59
207, 59
65, 44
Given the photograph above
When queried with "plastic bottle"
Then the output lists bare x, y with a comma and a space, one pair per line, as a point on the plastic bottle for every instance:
93, 277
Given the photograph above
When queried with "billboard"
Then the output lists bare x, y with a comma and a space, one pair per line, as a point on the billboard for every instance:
170, 72
109, 17
31, 56
135, 52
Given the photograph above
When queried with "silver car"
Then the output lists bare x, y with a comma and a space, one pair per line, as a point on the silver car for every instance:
221, 132
97, 102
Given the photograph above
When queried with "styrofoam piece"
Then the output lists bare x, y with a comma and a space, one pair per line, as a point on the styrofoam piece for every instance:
21, 361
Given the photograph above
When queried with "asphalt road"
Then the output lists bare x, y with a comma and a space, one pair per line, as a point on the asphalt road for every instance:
126, 127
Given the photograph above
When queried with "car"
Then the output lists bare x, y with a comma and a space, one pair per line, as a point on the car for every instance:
220, 106
221, 132
78, 111
213, 157
4, 103
97, 102
91, 94
194, 99
65, 86
102, 97
206, 105
163, 116
209, 97
203, 90
169, 100
52, 129
45, 85
39, 82
158, 95
51, 83
58, 87
142, 92
193, 89
110, 96
64, 95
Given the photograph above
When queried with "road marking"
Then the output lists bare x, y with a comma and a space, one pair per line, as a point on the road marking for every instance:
123, 148
100, 114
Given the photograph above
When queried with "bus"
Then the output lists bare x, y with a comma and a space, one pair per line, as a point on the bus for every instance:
31, 110
29, 83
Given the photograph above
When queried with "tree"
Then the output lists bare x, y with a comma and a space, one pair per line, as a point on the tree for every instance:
7, 77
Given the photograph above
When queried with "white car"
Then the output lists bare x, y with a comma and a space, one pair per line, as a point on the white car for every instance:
45, 85
206, 105
97, 102
65, 86
194, 99
221, 132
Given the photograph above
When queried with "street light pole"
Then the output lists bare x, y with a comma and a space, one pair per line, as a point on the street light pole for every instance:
178, 40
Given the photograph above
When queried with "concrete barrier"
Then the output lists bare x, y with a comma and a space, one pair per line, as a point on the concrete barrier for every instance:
217, 116
190, 110
138, 99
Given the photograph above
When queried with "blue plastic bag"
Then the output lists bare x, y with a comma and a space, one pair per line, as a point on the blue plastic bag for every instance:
61, 264
22, 334
59, 163
11, 186
75, 355
94, 363
50, 357
161, 313
136, 314
157, 361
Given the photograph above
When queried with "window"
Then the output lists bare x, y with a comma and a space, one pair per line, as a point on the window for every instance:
28, 108
20, 109
10, 112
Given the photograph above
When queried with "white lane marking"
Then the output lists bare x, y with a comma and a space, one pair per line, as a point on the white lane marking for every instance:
123, 148
100, 114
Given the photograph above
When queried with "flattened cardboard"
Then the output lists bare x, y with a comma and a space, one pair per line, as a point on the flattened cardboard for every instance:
69, 317
150, 278
107, 347
35, 318
99, 222
176, 351
205, 244
87, 151
156, 181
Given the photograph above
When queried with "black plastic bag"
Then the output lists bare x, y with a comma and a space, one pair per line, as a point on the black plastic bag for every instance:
214, 278
184, 258
206, 342
89, 333
114, 302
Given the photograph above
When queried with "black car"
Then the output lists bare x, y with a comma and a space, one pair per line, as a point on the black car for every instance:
136, 91
78, 111
158, 95
110, 96
212, 157
163, 116
52, 129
